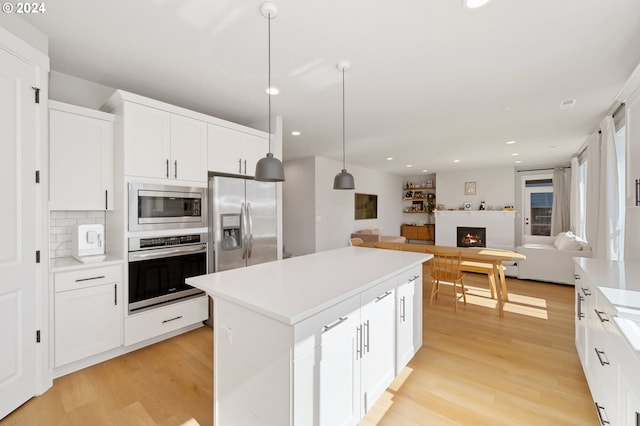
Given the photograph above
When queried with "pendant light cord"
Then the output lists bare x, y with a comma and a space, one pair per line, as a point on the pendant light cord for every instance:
269, 75
343, 125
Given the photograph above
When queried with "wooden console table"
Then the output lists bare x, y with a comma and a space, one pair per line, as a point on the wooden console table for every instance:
419, 232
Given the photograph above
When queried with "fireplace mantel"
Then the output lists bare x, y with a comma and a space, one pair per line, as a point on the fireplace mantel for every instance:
500, 226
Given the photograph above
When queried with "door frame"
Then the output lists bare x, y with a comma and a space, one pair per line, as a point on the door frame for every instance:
15, 46
523, 194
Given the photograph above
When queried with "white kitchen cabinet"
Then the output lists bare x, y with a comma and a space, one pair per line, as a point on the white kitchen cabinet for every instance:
632, 132
87, 313
160, 144
80, 158
235, 152
409, 326
585, 293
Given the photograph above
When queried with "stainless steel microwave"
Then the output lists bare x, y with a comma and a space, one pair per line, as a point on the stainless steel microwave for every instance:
153, 207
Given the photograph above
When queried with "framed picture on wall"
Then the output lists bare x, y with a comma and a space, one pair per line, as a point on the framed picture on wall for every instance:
469, 188
366, 206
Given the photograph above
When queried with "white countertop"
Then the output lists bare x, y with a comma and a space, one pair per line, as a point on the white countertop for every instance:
65, 264
293, 289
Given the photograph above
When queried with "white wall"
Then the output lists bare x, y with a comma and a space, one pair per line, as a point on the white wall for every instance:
330, 223
76, 91
298, 202
494, 186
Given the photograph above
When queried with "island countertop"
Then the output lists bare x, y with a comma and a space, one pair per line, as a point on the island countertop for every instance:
294, 289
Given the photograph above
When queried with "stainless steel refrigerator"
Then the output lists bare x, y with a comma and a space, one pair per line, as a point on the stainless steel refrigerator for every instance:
242, 223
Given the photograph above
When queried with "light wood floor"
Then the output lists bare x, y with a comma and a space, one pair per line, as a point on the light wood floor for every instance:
474, 369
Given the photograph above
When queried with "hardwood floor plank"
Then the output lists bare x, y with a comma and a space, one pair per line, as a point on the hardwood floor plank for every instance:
474, 369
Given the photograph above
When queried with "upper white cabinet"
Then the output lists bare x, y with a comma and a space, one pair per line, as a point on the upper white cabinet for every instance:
632, 129
81, 158
160, 144
235, 152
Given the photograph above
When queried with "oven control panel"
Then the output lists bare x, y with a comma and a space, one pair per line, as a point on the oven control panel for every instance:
145, 243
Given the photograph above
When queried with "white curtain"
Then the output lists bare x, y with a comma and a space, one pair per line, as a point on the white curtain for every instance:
574, 204
560, 209
603, 215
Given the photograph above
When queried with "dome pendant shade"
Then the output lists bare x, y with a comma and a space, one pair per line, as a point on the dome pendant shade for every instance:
270, 169
344, 180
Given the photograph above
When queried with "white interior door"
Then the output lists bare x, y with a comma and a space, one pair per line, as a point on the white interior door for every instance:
18, 224
537, 203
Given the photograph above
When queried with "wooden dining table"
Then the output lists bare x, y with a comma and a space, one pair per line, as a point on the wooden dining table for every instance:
493, 257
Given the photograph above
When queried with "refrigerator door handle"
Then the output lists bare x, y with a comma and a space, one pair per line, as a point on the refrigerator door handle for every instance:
244, 230
250, 230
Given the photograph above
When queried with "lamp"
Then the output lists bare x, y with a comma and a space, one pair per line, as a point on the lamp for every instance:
344, 179
269, 168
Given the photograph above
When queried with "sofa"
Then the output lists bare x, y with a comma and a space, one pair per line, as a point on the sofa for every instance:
373, 235
551, 258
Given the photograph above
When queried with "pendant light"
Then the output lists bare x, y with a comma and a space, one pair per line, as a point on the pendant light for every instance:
344, 179
269, 168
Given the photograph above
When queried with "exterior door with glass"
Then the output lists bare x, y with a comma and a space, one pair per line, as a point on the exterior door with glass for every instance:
537, 204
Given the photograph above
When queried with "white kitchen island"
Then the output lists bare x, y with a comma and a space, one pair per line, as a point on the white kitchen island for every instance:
315, 339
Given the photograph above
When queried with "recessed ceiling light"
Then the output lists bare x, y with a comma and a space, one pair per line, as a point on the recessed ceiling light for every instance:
474, 4
425, 171
456, 161
553, 147
510, 142
515, 153
568, 104
272, 90
409, 165
507, 108
295, 133
518, 161
389, 158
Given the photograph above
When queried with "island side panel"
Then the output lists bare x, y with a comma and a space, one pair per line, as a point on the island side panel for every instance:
252, 367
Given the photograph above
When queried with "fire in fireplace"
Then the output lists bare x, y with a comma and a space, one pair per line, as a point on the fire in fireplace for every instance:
472, 237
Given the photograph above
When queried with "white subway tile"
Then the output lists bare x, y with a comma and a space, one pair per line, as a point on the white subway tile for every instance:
58, 214
77, 214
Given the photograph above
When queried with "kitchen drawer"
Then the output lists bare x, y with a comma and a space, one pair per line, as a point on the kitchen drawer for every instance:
411, 274
158, 321
380, 291
73, 280
309, 333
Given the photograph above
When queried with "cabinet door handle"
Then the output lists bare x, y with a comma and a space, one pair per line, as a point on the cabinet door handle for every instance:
637, 192
637, 418
586, 291
576, 276
602, 414
336, 323
175, 169
359, 342
600, 353
90, 278
167, 168
601, 315
106, 199
172, 319
239, 166
115, 294
402, 309
366, 336
386, 293
580, 300
245, 167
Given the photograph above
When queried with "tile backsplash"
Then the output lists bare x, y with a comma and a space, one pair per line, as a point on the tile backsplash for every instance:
61, 226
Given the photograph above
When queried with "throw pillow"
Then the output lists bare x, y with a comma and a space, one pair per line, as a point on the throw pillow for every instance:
561, 240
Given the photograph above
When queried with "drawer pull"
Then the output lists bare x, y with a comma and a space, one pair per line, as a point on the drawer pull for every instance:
602, 414
415, 277
172, 319
90, 278
334, 324
580, 300
602, 316
586, 291
600, 353
386, 293
576, 276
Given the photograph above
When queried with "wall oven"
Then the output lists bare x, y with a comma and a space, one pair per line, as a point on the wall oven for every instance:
158, 267
153, 207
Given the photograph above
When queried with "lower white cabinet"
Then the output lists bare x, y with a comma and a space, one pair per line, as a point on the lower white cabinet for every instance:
408, 325
88, 313
325, 370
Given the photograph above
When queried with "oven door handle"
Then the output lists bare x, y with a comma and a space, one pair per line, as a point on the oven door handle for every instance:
168, 252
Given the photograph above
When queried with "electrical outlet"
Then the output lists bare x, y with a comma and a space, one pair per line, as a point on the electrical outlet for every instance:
226, 333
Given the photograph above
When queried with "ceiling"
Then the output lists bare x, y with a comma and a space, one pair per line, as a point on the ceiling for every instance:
430, 81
